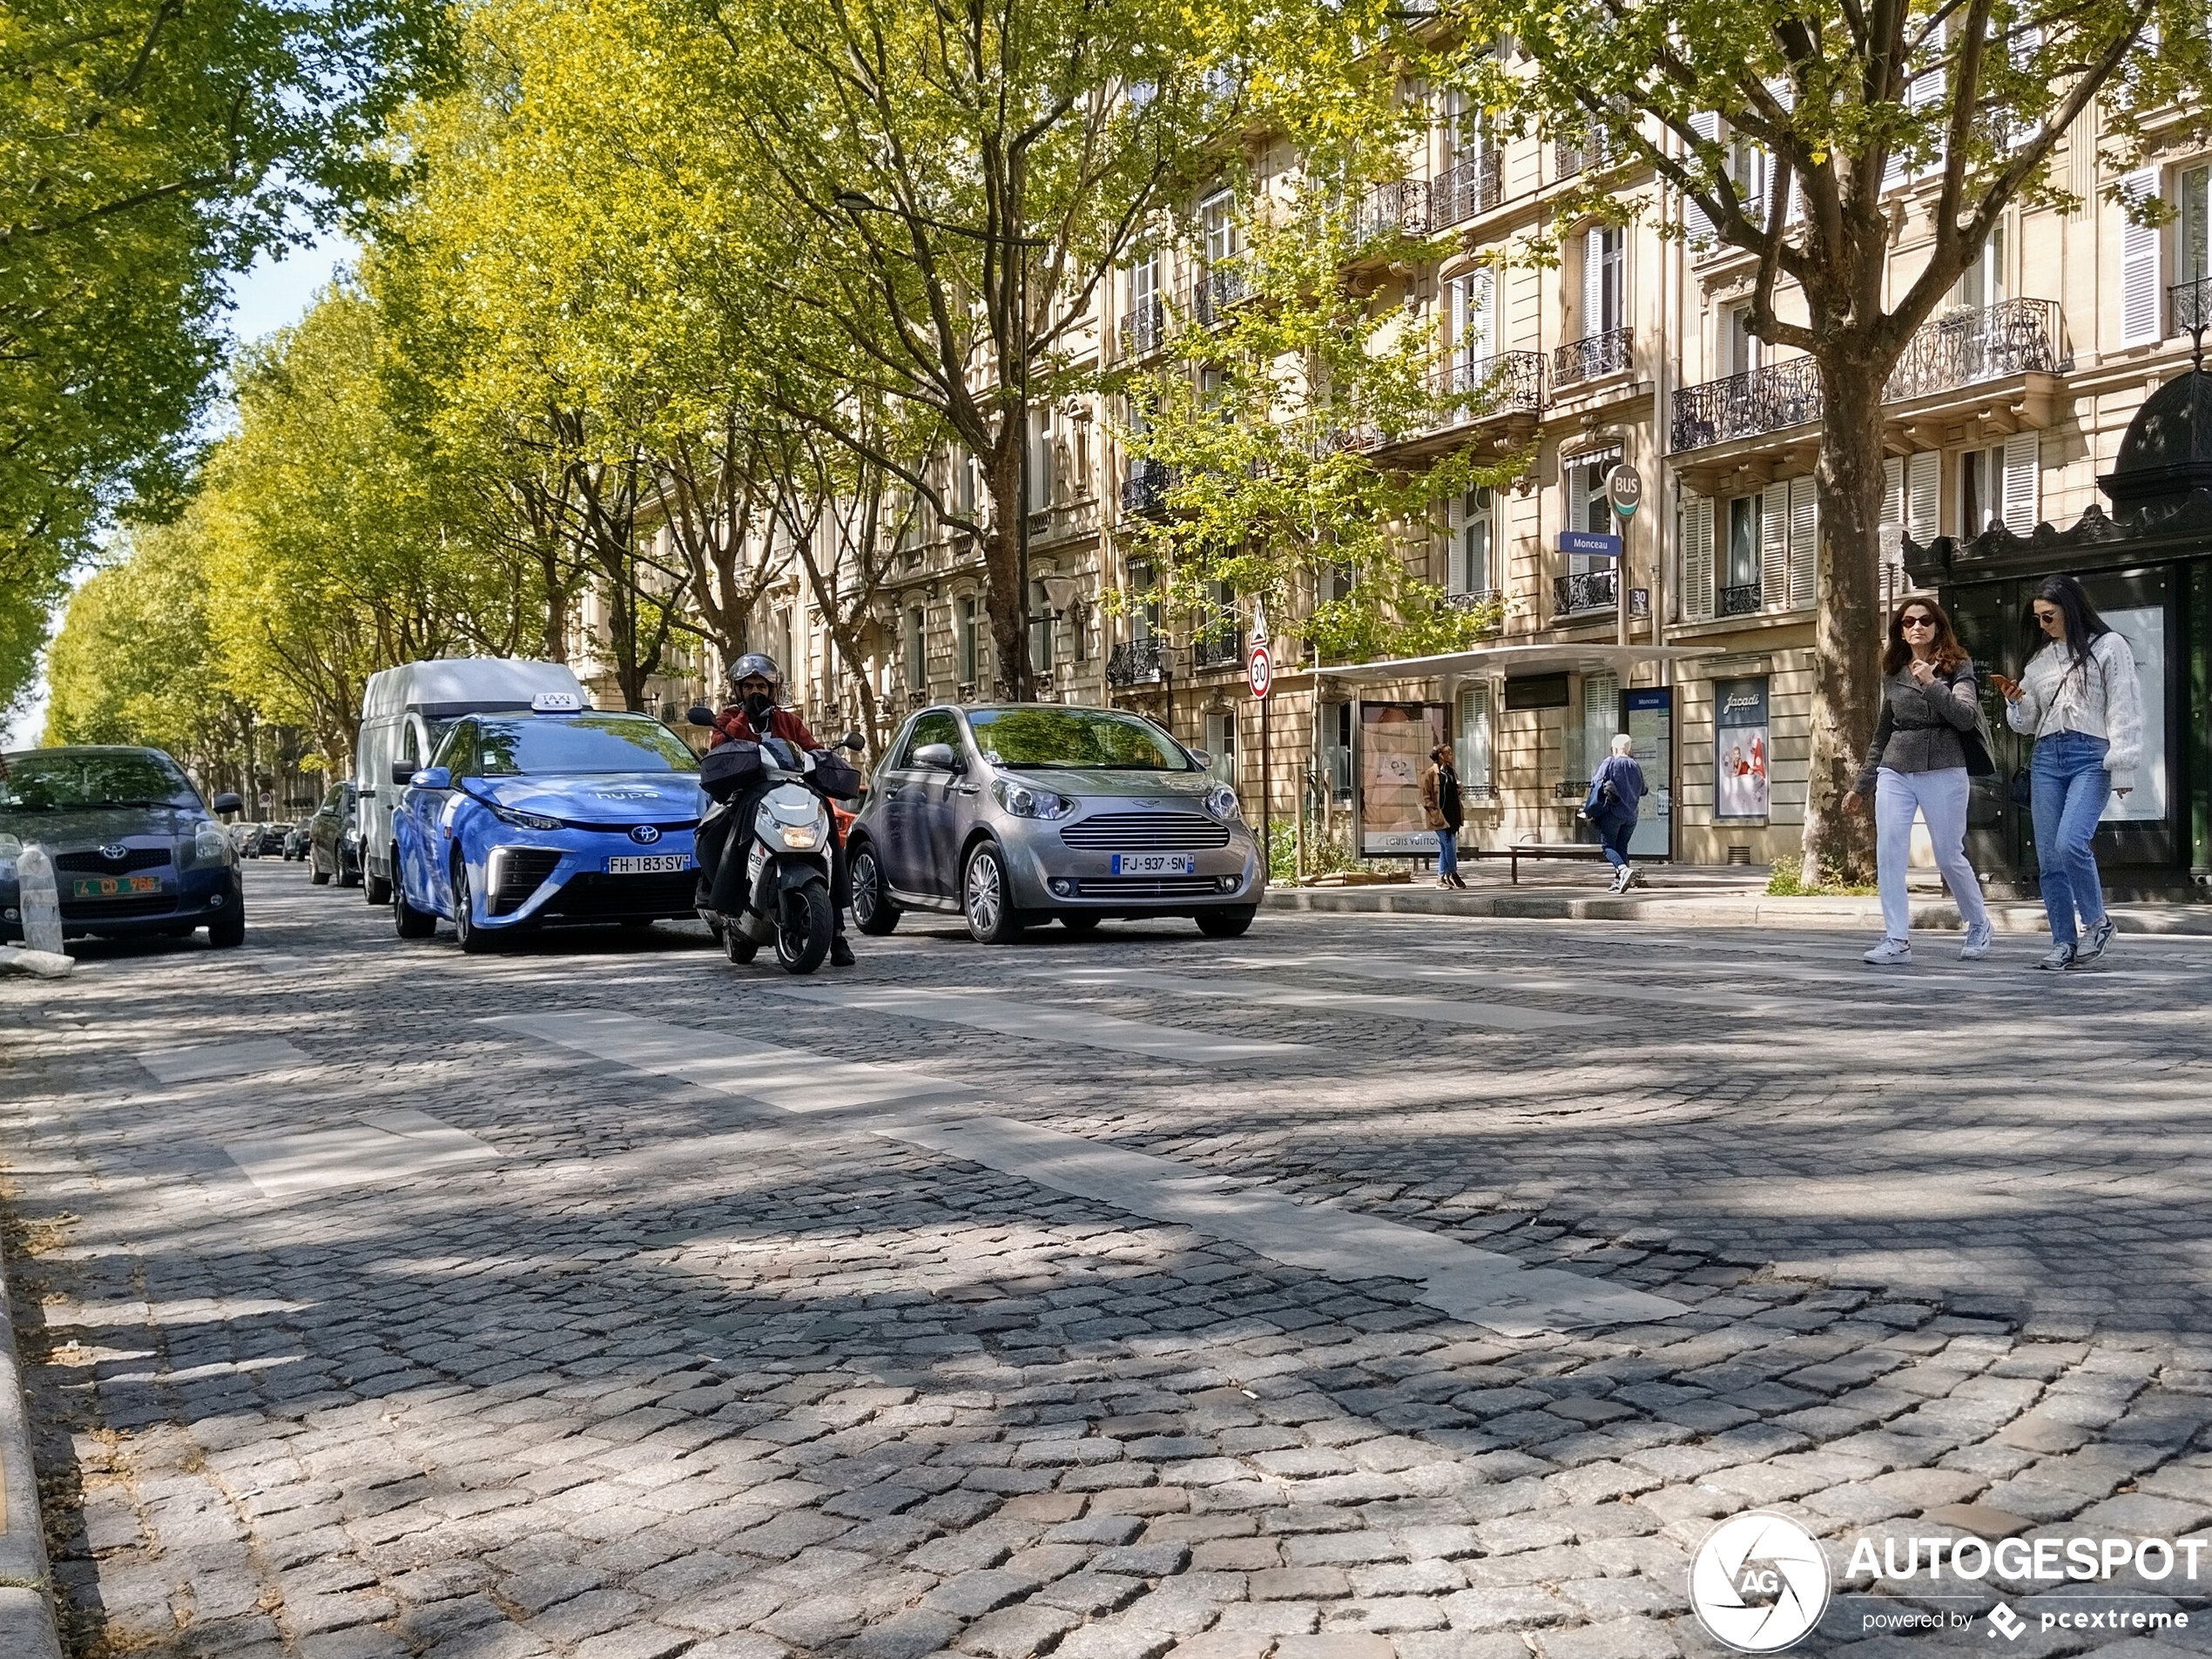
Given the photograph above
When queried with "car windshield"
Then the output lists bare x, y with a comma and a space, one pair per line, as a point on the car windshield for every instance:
1045, 737
62, 780
579, 743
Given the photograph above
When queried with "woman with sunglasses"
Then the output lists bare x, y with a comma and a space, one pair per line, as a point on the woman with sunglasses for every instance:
1918, 764
2081, 700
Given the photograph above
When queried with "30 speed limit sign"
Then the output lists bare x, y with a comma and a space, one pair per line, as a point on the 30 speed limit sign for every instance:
1259, 669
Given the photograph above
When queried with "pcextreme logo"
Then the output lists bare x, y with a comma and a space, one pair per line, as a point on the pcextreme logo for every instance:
1759, 1583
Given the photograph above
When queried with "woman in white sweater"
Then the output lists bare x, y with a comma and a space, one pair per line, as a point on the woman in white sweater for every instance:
2081, 700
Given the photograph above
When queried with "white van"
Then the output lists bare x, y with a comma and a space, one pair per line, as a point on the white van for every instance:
405, 710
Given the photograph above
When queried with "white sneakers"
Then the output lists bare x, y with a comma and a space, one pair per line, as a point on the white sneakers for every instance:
1890, 953
2093, 942
1978, 942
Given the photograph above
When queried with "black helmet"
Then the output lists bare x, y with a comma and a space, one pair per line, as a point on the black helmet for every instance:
757, 665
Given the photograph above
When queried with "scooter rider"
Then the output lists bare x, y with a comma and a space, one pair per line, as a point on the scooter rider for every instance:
758, 684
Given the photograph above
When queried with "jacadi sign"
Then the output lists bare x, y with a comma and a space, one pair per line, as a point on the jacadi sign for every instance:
1760, 1582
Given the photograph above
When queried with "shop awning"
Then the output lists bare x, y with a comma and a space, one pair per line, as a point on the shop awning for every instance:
1513, 660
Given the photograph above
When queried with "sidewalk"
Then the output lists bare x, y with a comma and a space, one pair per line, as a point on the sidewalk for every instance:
1688, 895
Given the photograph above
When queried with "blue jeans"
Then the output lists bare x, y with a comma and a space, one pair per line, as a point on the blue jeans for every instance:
2070, 788
1613, 838
1447, 852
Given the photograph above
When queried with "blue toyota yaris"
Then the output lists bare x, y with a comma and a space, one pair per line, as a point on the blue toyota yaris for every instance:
563, 814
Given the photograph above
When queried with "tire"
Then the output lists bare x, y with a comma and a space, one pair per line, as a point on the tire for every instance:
375, 889
873, 910
801, 950
474, 940
1224, 924
736, 947
407, 921
986, 898
317, 878
227, 931
1081, 922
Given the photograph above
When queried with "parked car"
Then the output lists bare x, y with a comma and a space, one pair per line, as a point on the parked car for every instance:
134, 849
295, 840
270, 839
404, 714
333, 839
246, 838
1019, 814
562, 814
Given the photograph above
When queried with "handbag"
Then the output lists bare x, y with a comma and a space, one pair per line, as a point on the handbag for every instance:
1979, 744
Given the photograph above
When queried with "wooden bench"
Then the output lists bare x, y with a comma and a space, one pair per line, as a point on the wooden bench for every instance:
1519, 850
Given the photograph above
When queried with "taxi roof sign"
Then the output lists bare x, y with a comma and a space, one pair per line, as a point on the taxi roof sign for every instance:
556, 703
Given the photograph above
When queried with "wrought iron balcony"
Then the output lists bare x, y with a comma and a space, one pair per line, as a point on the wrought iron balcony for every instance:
1399, 208
1466, 188
2191, 304
1145, 485
1511, 383
2018, 337
1217, 647
1137, 662
1571, 156
1145, 329
1743, 406
1740, 600
1595, 591
1215, 291
1608, 352
1474, 599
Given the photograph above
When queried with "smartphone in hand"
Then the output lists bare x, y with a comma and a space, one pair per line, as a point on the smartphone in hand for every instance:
2007, 689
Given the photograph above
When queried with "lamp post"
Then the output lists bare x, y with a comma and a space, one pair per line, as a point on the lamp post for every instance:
856, 202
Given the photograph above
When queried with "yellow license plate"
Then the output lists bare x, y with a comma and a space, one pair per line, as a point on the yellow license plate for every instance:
113, 887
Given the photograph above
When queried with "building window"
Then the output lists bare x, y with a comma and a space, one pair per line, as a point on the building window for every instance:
1742, 350
964, 638
1144, 614
1743, 543
1601, 720
1983, 284
1469, 560
1221, 743
2193, 220
1336, 750
1604, 280
917, 650
1981, 491
1587, 508
1218, 226
1039, 629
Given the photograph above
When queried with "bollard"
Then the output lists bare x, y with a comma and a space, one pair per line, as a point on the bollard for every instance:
41, 902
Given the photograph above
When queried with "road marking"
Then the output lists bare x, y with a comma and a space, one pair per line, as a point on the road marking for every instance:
1435, 1010
1479, 1285
222, 1060
375, 1146
789, 1079
988, 1012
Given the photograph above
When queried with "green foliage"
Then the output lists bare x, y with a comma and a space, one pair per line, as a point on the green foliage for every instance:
1786, 880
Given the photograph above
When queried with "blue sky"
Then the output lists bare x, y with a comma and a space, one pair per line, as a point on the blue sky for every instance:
269, 296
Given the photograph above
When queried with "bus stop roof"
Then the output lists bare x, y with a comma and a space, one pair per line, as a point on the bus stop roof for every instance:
1517, 659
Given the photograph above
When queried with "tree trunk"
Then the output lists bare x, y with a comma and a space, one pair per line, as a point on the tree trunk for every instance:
1847, 684
1001, 566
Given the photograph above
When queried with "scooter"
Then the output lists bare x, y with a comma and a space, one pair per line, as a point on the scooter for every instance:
787, 846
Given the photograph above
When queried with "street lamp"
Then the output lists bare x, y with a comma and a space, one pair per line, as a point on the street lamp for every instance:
857, 202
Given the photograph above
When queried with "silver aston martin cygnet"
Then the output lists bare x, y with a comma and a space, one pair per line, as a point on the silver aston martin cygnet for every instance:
1019, 812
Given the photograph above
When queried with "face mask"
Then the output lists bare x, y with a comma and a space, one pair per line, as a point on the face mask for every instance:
756, 705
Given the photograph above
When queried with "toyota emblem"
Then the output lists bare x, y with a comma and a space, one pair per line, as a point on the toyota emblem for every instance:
645, 834
114, 854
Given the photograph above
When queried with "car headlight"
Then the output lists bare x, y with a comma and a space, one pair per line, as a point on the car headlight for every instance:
210, 845
1027, 800
1221, 802
522, 821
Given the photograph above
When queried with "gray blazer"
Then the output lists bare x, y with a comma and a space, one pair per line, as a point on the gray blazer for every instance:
1920, 730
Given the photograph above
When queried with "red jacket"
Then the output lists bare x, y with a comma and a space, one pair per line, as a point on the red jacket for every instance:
733, 725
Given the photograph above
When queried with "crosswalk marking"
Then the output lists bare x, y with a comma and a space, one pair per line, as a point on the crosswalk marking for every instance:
375, 1146
1436, 1010
1011, 1017
222, 1060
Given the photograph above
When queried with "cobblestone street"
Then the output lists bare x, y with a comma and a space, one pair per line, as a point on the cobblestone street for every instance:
1114, 1297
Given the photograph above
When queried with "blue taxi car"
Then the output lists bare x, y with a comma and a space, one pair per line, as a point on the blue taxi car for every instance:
563, 814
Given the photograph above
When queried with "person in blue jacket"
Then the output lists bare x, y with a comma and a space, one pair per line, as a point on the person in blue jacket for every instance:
1616, 794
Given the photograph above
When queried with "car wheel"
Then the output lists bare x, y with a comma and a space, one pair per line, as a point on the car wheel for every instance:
407, 920
348, 878
317, 877
1224, 924
1080, 923
873, 910
803, 930
375, 889
227, 931
986, 898
474, 939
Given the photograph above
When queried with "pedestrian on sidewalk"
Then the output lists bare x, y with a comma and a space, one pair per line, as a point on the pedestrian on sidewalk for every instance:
2081, 699
1616, 798
1919, 763
1440, 812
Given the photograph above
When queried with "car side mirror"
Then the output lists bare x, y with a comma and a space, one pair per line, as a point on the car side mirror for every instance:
227, 802
938, 757
432, 777
403, 770
853, 741
699, 714
1202, 757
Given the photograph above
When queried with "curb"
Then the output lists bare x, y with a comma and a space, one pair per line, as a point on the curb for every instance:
27, 1629
1750, 911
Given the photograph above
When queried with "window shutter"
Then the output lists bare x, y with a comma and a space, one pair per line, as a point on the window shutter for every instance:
1482, 322
1774, 548
1920, 476
1593, 317
1455, 523
2023, 481
1475, 737
1894, 490
1706, 123
2139, 323
1698, 558
1804, 542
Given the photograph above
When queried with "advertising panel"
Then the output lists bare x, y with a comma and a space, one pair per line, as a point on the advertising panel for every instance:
1740, 748
1394, 743
2144, 629
1650, 711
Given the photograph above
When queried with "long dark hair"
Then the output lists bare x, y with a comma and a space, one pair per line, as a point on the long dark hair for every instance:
2083, 624
1949, 653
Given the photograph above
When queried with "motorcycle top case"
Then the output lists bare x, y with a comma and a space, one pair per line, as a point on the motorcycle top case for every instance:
729, 768
836, 776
